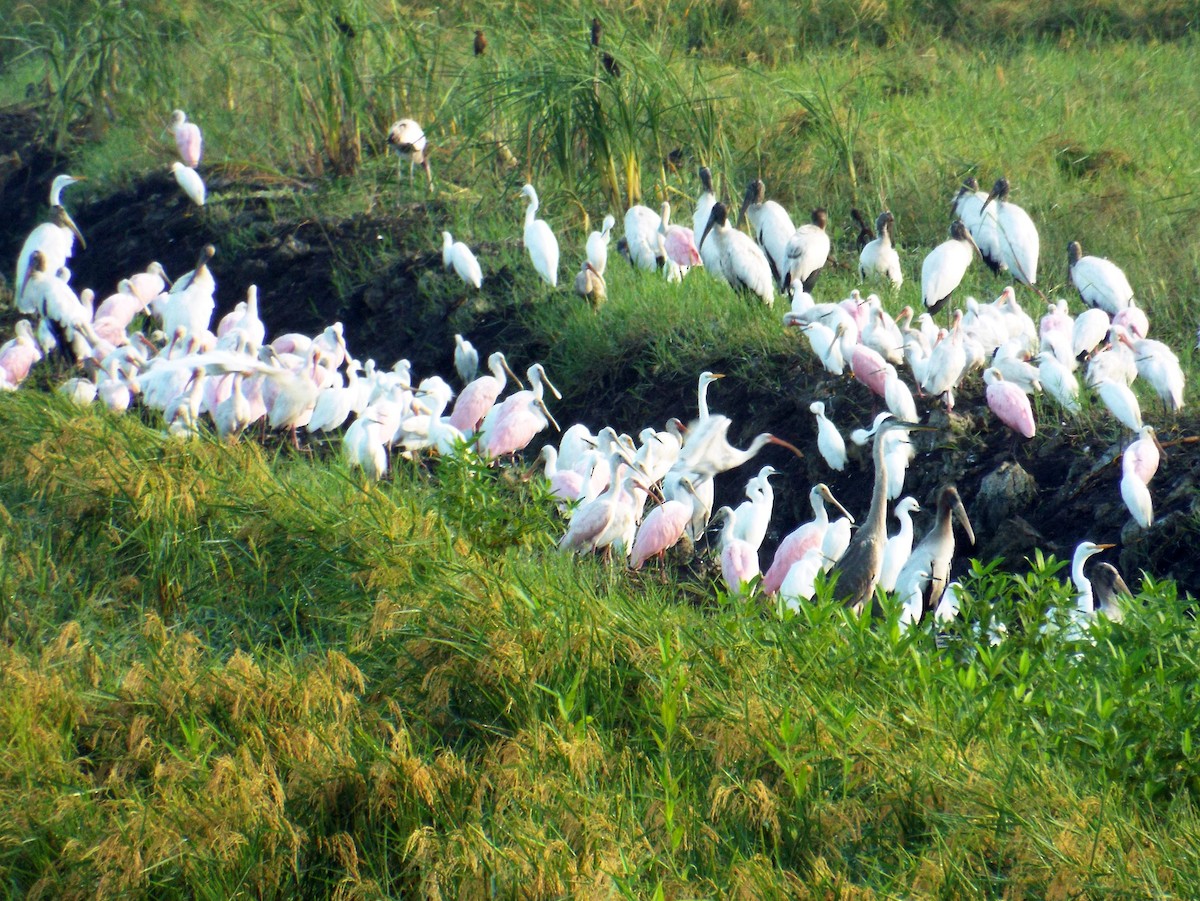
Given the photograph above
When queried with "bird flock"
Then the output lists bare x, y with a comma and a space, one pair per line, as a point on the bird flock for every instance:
152, 343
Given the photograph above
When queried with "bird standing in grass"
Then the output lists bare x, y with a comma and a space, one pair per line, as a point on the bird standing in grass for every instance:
1019, 242
943, 269
540, 242
187, 138
480, 42
408, 140
879, 257
458, 255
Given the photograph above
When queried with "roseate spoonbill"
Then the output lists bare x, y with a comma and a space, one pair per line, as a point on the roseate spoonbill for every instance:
540, 242
521, 416
663, 527
1010, 404
805, 537
479, 396
739, 560
187, 138
678, 242
17, 356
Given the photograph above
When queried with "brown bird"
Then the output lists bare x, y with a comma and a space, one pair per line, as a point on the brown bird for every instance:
589, 284
865, 233
480, 42
597, 30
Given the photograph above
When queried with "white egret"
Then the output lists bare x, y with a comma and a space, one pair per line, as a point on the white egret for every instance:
597, 245
190, 181
539, 240
458, 255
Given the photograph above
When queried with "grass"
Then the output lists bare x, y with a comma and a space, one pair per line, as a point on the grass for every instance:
234, 672
228, 675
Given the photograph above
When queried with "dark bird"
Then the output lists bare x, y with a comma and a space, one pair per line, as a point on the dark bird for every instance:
597, 31
931, 558
480, 42
865, 233
859, 567
611, 66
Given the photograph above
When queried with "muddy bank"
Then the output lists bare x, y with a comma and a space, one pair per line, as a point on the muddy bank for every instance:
1051, 492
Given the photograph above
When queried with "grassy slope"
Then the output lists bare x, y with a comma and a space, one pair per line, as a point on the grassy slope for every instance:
228, 674
224, 672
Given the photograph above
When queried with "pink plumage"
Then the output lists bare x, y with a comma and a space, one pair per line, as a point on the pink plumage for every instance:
739, 564
870, 368
791, 549
858, 309
18, 355
1141, 458
187, 138
680, 245
1011, 405
474, 402
660, 531
517, 421
1134, 319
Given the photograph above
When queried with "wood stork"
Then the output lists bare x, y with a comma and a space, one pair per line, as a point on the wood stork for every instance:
943, 269
1019, 242
408, 140
187, 138
807, 252
704, 206
968, 205
539, 240
879, 258
770, 226
740, 261
1100, 282
457, 255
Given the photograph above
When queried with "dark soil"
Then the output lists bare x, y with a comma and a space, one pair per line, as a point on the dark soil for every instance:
1055, 490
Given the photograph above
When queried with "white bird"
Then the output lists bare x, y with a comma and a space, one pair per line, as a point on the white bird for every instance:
188, 139
641, 237
753, 515
879, 259
899, 547
409, 141
540, 241
191, 182
807, 252
946, 364
943, 269
1139, 463
770, 226
55, 239
590, 285
704, 205
466, 359
458, 255
597, 245
1090, 329
805, 537
738, 259
1019, 242
800, 582
829, 439
1058, 381
1121, 402
364, 446
1159, 366
1084, 611
981, 222
1100, 283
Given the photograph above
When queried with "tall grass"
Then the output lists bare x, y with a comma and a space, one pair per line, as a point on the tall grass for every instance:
374, 690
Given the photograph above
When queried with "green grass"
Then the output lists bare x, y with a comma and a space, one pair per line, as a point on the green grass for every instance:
234, 672
226, 675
